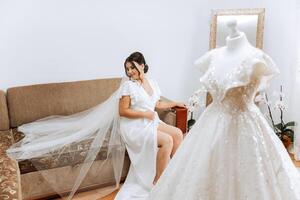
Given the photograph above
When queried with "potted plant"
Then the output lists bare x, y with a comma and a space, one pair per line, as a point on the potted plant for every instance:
284, 130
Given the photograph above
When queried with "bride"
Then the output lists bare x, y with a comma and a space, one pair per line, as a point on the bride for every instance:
231, 153
142, 131
125, 120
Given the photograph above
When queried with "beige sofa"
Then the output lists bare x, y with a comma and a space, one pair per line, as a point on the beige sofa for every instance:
20, 105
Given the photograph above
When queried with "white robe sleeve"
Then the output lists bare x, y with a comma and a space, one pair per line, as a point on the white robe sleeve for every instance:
127, 89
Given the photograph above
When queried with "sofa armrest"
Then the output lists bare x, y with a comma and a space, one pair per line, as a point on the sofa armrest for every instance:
176, 116
167, 115
4, 120
10, 182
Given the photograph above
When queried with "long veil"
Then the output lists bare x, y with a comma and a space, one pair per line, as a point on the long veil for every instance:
56, 138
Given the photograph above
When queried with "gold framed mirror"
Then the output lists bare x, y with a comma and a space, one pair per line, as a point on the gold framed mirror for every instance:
250, 21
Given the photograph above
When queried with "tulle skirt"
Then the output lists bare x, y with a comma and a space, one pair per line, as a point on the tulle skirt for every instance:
230, 156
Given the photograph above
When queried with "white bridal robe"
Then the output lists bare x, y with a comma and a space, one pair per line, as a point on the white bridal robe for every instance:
140, 137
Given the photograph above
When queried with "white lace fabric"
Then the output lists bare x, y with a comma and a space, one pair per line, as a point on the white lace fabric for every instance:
231, 153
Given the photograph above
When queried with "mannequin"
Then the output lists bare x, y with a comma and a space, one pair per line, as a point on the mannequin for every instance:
233, 31
236, 50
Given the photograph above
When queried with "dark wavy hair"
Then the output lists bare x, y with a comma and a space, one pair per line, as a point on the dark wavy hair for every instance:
137, 57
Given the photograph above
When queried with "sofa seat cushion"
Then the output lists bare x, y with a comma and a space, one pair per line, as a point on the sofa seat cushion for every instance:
73, 154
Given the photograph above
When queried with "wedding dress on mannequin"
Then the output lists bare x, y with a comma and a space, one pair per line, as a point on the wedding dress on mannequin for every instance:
231, 153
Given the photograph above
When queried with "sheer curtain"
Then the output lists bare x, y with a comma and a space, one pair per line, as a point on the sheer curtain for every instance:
296, 112
295, 104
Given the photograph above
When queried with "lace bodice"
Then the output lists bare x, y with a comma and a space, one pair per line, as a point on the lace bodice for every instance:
238, 88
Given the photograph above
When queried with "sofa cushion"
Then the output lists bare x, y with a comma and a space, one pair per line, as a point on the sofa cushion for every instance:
73, 155
4, 120
29, 103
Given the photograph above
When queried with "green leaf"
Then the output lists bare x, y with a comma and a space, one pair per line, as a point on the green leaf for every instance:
292, 123
279, 126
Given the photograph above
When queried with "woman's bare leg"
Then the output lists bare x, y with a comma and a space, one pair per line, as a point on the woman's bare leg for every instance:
165, 144
174, 132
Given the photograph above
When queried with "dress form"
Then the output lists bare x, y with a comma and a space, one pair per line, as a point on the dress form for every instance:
237, 49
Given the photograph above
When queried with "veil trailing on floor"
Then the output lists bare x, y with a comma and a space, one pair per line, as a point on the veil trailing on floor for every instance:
51, 142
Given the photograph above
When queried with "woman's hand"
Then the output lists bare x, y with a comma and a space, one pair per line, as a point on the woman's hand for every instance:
169, 104
149, 115
141, 70
181, 105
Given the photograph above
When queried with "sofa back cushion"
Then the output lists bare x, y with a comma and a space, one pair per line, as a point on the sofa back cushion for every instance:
4, 120
29, 103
